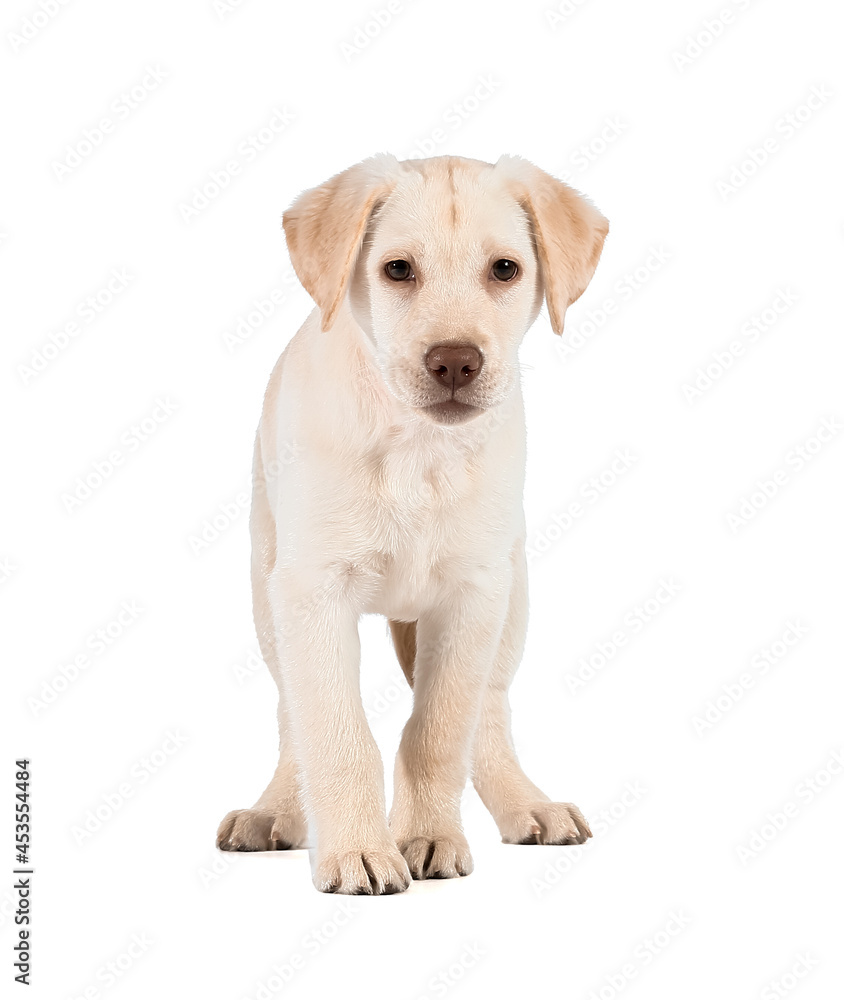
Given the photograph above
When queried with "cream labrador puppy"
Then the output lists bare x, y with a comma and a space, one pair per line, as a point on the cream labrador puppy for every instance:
399, 399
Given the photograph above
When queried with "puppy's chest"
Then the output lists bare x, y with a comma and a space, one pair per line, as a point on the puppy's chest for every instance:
420, 490
420, 515
419, 496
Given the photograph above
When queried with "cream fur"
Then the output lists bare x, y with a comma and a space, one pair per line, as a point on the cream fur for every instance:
385, 509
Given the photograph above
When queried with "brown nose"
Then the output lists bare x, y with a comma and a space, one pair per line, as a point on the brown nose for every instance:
453, 365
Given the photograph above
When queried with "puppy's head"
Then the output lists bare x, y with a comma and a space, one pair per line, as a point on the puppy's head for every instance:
444, 263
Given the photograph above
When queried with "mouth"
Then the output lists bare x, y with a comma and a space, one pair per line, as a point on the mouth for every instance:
451, 411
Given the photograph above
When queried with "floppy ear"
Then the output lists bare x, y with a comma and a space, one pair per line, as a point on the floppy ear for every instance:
569, 233
325, 226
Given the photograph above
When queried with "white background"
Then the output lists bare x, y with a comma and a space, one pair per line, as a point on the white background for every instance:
698, 837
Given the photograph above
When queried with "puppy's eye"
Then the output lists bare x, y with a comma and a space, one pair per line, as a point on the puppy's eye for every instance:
504, 270
399, 270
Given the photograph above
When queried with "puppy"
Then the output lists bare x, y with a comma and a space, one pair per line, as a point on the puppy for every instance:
388, 478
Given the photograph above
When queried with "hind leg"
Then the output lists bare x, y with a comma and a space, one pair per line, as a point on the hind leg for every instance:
276, 822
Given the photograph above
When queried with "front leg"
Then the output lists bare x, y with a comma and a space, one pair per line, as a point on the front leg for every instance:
455, 648
340, 767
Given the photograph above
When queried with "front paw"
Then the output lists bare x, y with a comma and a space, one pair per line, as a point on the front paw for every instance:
377, 871
546, 823
435, 856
